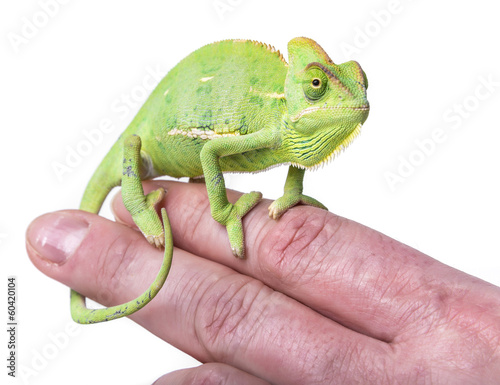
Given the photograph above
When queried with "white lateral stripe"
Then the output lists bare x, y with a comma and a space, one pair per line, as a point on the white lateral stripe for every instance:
273, 95
202, 134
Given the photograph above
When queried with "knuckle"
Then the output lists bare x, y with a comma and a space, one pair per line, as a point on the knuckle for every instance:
113, 268
353, 360
428, 305
193, 217
230, 312
300, 246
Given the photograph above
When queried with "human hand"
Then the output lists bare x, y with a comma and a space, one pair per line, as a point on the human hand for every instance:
319, 299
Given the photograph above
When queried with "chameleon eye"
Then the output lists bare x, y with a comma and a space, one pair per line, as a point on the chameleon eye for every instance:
315, 84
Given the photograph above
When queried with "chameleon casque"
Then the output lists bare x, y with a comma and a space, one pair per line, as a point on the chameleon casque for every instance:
233, 105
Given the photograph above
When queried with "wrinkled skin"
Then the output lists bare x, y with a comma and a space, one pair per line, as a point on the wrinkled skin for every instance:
320, 299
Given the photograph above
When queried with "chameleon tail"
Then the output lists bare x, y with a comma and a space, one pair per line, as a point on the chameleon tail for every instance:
105, 178
81, 314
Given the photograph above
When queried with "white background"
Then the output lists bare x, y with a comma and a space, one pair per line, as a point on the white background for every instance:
423, 59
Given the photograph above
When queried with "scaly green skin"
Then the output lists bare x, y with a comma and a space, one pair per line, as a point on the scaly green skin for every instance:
234, 105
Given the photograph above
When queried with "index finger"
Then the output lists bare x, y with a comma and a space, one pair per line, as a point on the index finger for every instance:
342, 269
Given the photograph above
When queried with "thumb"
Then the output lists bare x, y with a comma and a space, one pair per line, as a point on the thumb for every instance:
96, 257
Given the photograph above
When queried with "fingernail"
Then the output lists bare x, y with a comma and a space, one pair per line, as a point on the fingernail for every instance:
56, 236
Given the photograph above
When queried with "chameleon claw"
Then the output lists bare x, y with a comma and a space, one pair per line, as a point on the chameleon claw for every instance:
275, 211
238, 253
156, 240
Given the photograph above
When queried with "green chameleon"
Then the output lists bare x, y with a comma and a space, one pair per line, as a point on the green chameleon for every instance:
234, 105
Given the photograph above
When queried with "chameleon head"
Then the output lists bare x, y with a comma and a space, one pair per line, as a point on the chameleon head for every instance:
326, 104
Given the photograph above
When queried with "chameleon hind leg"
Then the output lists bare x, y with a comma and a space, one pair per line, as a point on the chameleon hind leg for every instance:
292, 195
141, 207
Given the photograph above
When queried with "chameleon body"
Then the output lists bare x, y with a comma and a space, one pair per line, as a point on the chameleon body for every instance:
230, 106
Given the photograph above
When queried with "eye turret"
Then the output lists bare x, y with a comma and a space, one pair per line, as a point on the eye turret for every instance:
315, 84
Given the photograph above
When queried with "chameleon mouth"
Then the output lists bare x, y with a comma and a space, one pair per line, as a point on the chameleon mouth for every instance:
336, 151
320, 108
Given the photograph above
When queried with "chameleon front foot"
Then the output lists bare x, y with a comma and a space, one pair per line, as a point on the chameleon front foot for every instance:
288, 200
233, 221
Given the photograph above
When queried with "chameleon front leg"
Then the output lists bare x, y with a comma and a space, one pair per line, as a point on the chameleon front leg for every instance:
140, 206
222, 210
292, 195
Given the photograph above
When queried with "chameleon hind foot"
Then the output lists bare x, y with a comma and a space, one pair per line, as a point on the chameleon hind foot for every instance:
281, 205
141, 207
292, 195
155, 239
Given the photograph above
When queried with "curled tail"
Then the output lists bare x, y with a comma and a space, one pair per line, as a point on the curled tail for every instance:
81, 314
108, 175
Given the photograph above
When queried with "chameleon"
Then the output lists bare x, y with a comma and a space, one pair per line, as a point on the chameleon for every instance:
230, 106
